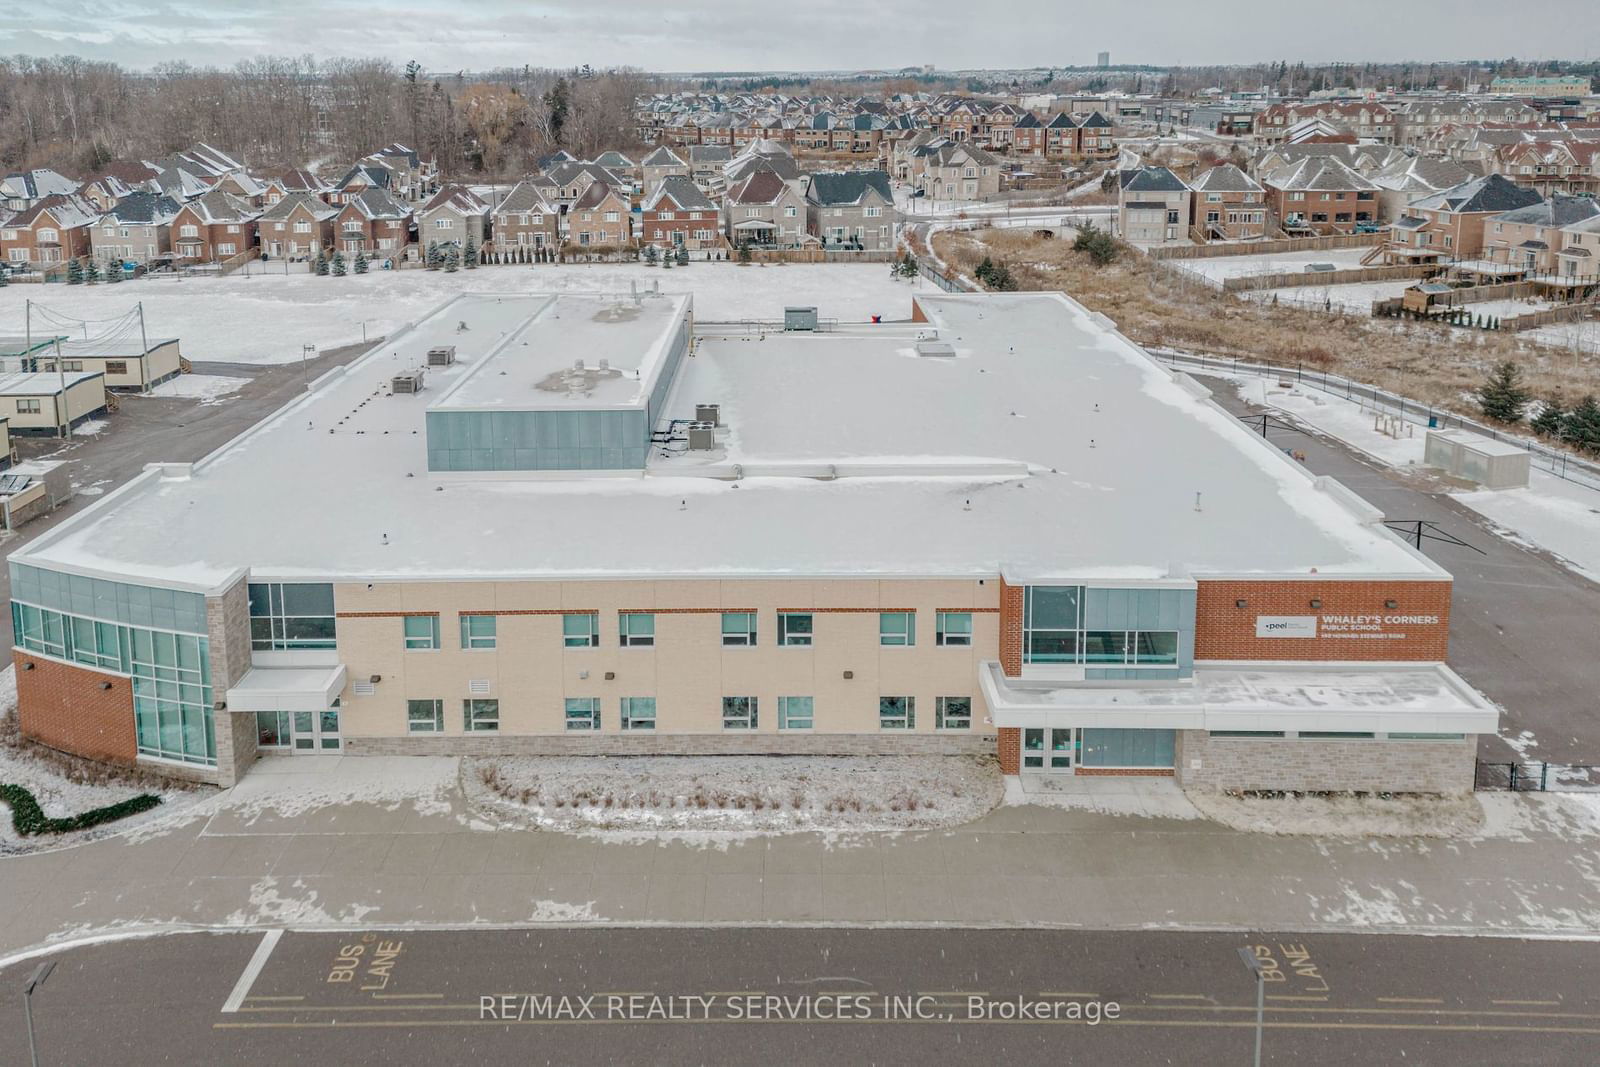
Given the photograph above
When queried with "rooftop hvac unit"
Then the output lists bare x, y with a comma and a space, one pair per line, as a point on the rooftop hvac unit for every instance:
936, 348
702, 436
711, 413
409, 382
798, 318
442, 356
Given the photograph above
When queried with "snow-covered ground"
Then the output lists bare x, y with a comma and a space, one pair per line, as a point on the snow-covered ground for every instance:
266, 318
1385, 439
206, 388
775, 794
1356, 297
1579, 336
1218, 267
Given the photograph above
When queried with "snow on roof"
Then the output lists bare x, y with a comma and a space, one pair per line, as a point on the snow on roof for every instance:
42, 383
860, 458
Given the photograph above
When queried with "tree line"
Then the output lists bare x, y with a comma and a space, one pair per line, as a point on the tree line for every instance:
77, 115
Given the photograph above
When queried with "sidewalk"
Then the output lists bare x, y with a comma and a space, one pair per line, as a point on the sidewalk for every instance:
331, 841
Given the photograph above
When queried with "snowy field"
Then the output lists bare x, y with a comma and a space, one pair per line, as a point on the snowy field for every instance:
1219, 267
1580, 336
266, 318
777, 794
206, 388
1355, 298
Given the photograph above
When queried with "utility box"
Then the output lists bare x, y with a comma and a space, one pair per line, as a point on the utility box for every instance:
442, 356
1478, 459
711, 413
702, 436
800, 319
409, 382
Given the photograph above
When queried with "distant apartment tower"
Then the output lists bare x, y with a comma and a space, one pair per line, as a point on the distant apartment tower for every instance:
1103, 60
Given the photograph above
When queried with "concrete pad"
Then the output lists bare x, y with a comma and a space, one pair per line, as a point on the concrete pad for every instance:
740, 857
512, 852
303, 856
678, 858
920, 899
619, 896
463, 853
979, 898
676, 897
563, 887
734, 896
854, 898
206, 857
255, 856
905, 854
794, 854
623, 858
357, 853
791, 897
860, 857
411, 854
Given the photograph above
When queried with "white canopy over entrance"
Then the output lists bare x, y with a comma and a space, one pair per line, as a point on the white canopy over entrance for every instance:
287, 689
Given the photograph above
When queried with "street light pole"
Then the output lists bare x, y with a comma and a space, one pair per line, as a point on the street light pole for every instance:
35, 980
1249, 959
303, 350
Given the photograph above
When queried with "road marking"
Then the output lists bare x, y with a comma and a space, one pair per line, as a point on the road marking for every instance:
1534, 1003
1178, 996
408, 996
256, 997
241, 988
1286, 996
1409, 1000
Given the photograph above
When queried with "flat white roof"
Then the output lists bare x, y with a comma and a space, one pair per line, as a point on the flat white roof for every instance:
845, 455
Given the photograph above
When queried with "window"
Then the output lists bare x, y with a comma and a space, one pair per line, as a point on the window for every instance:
794, 713
442, 224
638, 629
738, 713
874, 212
1332, 735
611, 216
477, 631
638, 713
188, 231
302, 226
116, 366
897, 713
952, 713
233, 229
479, 715
897, 628
290, 615
1246, 733
739, 628
953, 628
580, 631
583, 713
425, 716
789, 212
47, 236
422, 632
794, 628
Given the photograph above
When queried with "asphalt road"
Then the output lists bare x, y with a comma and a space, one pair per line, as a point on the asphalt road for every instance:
1522, 627
153, 430
798, 996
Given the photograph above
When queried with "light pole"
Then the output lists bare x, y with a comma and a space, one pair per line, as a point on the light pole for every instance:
1248, 956
35, 980
304, 351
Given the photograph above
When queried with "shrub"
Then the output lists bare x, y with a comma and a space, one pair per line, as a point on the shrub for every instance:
28, 819
1502, 396
1099, 245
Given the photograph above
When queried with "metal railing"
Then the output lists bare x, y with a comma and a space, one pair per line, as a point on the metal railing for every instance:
1538, 776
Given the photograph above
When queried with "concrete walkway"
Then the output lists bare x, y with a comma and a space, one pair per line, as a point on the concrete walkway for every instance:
330, 841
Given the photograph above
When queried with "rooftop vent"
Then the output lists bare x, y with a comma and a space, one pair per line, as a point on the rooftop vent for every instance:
409, 382
936, 348
702, 436
442, 356
711, 413
800, 318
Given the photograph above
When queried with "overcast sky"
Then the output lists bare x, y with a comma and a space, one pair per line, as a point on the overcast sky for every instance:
801, 35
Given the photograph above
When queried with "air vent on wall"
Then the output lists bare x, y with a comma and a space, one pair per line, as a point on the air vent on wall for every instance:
364, 689
478, 685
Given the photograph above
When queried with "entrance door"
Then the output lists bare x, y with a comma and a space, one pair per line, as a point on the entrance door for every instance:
1049, 749
299, 731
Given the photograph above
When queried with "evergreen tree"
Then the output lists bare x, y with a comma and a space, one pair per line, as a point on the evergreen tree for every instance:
469, 258
1001, 280
452, 260
361, 262
1502, 395
3, 274
666, 261
1551, 413
1581, 426
74, 272
744, 253
91, 273
683, 257
984, 270
433, 259
320, 267
114, 270
338, 265
650, 255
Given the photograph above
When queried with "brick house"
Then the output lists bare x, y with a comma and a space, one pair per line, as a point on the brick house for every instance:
679, 215
455, 216
851, 209
51, 231
137, 230
1027, 135
763, 209
22, 189
214, 227
526, 219
297, 226
1550, 167
291, 181
601, 216
373, 222
1533, 237
1153, 206
1366, 120
1449, 225
1318, 196
1229, 205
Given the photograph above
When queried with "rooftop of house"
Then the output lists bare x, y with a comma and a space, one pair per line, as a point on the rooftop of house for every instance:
1492, 192
1153, 180
43, 383
1559, 210
677, 193
1046, 447
1225, 178
848, 187
306, 202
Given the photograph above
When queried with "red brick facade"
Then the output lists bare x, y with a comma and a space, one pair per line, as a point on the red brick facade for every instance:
68, 707
1417, 628
1010, 629
1010, 750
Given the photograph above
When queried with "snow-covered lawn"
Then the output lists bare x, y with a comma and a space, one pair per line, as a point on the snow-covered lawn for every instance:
1341, 419
266, 318
206, 388
1356, 297
773, 794
1218, 267
1581, 336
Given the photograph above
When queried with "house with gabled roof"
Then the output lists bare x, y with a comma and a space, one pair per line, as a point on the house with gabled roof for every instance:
659, 165
115, 181
374, 222
52, 230
959, 172
455, 215
22, 189
602, 216
413, 176
1154, 206
1533, 237
764, 210
680, 215
1229, 205
297, 226
290, 181
137, 229
360, 178
1449, 225
851, 209
1318, 196
526, 220
1411, 178
213, 227
572, 179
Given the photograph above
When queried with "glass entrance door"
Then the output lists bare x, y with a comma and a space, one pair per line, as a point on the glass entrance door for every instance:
1050, 749
299, 731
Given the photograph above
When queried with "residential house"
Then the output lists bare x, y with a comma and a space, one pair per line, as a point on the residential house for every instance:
1579, 254
763, 209
1028, 135
1551, 166
1319, 196
620, 165
214, 227
705, 163
1532, 237
1096, 138
297, 226
1229, 205
360, 178
526, 219
115, 181
679, 215
1367, 120
374, 222
851, 209
1450, 224
454, 216
22, 189
54, 229
412, 178
291, 181
1154, 206
960, 172
137, 230
659, 165
1411, 178
570, 180
601, 217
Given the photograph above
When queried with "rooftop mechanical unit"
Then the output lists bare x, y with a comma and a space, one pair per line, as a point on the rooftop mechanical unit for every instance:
702, 436
936, 348
442, 356
798, 318
711, 413
409, 382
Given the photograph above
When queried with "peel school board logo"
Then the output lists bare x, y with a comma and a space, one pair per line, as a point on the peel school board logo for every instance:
1286, 626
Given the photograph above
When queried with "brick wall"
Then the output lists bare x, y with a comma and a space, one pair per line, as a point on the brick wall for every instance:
228, 630
1010, 629
1225, 631
1336, 766
1010, 750
235, 732
64, 706
646, 744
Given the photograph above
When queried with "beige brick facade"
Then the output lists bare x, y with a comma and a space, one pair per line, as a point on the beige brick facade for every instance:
1324, 766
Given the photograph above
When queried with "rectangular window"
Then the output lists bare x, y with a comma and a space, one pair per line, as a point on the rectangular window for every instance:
422, 632
583, 713
953, 628
897, 628
27, 407
738, 713
116, 366
897, 713
952, 713
477, 631
638, 713
1425, 737
1332, 735
794, 628
580, 630
1246, 733
480, 715
425, 716
739, 628
794, 713
638, 629
291, 615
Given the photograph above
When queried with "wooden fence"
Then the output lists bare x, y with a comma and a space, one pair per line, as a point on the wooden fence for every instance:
1534, 319
818, 255
1301, 279
1267, 248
